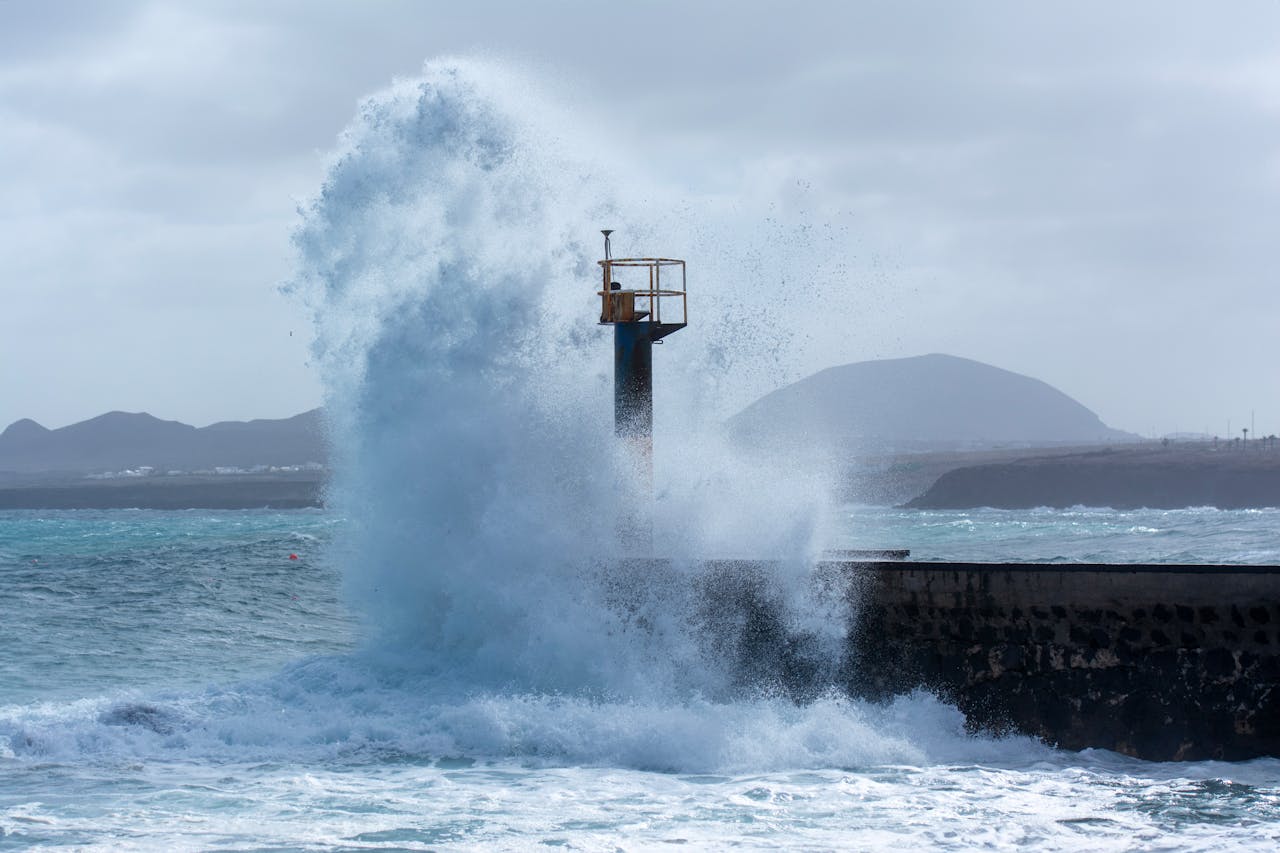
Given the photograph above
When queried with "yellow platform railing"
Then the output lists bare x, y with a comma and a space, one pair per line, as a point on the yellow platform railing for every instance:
633, 291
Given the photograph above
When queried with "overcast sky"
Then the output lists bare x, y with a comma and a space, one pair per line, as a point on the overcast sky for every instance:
1088, 193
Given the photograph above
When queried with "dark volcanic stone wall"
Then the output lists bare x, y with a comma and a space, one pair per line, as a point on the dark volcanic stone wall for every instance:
1160, 662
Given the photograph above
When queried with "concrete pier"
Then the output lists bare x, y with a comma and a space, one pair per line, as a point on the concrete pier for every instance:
1156, 661
1160, 662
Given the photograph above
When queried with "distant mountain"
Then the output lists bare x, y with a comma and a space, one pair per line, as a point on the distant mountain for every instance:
926, 402
121, 440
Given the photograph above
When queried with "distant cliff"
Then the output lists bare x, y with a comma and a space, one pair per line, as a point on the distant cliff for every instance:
1229, 477
119, 440
929, 402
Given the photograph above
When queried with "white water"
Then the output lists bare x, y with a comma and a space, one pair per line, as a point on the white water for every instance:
136, 610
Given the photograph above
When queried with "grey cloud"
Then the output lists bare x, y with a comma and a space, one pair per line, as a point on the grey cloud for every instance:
1062, 189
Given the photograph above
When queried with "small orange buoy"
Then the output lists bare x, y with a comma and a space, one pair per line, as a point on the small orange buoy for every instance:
293, 556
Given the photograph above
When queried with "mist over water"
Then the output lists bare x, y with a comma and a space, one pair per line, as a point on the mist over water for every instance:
448, 263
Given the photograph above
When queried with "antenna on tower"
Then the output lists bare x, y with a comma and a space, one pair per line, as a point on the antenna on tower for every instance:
608, 250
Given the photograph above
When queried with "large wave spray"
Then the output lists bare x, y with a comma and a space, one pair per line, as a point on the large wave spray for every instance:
449, 259
447, 262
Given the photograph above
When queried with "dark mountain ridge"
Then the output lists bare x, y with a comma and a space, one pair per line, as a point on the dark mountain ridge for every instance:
926, 402
118, 441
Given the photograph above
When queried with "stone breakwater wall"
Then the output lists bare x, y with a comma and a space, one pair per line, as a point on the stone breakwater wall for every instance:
1159, 662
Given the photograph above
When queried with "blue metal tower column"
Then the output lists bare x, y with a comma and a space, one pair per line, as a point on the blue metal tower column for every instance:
633, 424
633, 388
633, 380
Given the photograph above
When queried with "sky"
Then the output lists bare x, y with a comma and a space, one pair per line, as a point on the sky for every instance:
1087, 193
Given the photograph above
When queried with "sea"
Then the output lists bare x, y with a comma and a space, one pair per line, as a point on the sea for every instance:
198, 680
455, 653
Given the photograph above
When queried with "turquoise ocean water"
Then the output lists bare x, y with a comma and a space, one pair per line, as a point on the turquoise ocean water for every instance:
176, 681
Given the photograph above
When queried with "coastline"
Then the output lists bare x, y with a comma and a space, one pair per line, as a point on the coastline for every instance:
1147, 476
1225, 476
223, 491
